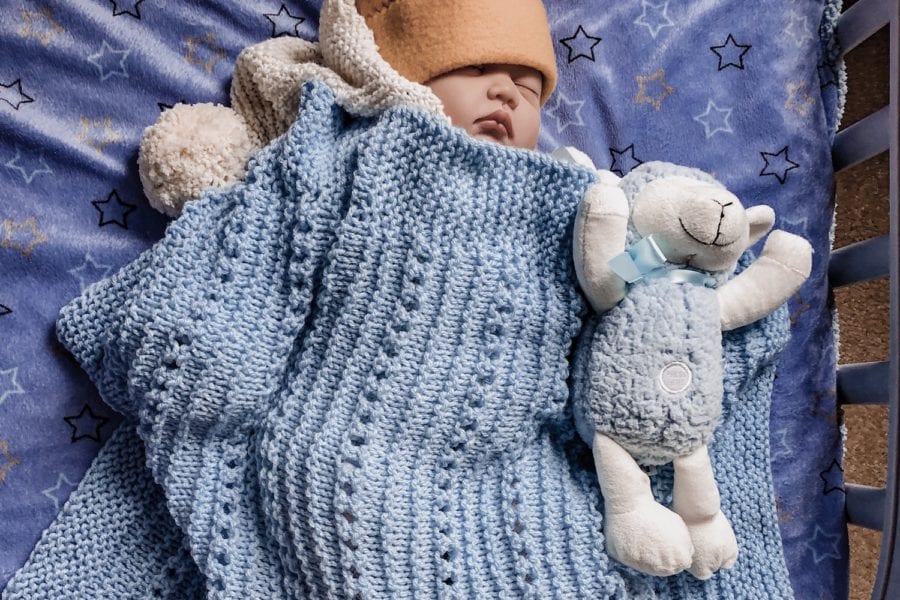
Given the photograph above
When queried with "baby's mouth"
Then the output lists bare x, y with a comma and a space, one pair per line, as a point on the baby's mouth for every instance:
494, 131
497, 125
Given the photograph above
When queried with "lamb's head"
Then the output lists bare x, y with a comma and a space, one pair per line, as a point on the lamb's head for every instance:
693, 218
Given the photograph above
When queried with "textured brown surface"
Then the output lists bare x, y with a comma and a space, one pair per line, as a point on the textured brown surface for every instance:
862, 204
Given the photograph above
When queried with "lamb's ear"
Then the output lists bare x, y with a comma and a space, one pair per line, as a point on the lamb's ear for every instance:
762, 219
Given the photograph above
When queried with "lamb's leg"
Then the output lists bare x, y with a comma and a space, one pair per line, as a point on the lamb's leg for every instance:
696, 499
640, 532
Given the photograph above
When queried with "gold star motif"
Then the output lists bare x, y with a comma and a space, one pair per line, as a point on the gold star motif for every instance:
797, 98
802, 307
9, 229
642, 96
783, 515
98, 133
40, 25
208, 42
7, 460
828, 413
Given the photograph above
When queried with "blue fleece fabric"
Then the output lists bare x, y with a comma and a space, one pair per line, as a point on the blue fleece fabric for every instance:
347, 377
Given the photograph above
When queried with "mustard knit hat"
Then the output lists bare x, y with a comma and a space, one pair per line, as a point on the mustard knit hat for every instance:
422, 39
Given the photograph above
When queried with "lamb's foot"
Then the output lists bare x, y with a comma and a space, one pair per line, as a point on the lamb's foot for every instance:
639, 532
651, 538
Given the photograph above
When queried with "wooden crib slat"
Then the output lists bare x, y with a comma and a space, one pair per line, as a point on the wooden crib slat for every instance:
860, 21
862, 140
863, 383
861, 261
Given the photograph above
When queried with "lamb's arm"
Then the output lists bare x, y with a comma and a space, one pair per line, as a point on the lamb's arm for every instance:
778, 273
599, 235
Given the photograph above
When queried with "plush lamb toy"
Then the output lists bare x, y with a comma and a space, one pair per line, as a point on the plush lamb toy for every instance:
654, 253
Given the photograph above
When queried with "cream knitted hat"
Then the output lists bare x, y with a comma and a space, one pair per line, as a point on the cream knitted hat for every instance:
422, 39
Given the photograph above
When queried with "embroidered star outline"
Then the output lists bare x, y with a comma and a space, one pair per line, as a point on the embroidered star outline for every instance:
14, 97
797, 98
86, 426
656, 19
132, 8
564, 104
98, 133
89, 271
8, 460
12, 230
580, 45
715, 119
829, 549
727, 51
28, 174
284, 23
623, 161
832, 476
56, 493
101, 60
660, 79
780, 172
207, 43
117, 207
827, 76
40, 25
10, 384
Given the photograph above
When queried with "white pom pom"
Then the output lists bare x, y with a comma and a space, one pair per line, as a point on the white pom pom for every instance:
192, 148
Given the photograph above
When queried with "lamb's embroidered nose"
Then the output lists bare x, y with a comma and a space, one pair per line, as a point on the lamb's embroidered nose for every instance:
716, 241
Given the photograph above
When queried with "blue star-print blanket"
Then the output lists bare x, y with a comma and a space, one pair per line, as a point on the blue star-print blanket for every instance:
746, 91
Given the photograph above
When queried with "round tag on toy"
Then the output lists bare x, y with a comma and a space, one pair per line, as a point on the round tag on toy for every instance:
675, 377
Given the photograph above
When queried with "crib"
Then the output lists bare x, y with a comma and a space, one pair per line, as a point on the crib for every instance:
53, 424
874, 382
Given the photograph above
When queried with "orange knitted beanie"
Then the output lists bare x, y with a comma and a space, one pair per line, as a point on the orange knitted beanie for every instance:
422, 39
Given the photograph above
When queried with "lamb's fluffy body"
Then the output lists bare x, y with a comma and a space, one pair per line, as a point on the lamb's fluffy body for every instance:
625, 389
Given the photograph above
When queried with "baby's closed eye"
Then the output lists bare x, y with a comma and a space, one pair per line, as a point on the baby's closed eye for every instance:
528, 88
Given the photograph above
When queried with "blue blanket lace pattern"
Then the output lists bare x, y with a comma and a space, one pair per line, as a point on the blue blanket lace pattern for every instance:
348, 378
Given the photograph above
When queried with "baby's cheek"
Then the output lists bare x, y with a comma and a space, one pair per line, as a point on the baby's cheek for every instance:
530, 130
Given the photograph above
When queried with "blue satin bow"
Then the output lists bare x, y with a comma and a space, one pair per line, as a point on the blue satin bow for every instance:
645, 259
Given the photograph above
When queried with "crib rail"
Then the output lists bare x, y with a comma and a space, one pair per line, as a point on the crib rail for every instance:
865, 505
861, 21
863, 383
861, 141
860, 262
875, 383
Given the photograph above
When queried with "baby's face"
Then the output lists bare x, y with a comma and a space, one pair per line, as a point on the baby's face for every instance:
497, 103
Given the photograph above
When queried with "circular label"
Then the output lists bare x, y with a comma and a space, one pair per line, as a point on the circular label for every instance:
675, 377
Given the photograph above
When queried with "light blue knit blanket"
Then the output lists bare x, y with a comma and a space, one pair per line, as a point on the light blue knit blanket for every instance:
347, 378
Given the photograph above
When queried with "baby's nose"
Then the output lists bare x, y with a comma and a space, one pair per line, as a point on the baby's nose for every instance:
504, 89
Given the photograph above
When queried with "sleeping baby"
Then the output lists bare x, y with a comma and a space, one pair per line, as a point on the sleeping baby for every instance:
348, 367
488, 80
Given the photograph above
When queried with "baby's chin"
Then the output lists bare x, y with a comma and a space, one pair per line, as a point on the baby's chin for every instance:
492, 137
498, 138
